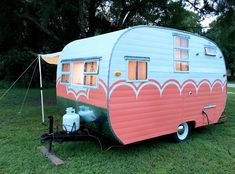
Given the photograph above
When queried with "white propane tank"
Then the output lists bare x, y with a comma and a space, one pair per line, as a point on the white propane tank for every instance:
71, 120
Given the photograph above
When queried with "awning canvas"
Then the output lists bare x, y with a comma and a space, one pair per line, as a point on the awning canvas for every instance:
51, 58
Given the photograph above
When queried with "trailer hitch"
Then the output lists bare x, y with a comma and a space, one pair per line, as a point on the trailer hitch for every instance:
61, 136
83, 134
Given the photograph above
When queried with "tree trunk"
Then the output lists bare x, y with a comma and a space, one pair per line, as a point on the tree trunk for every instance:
91, 18
42, 28
82, 18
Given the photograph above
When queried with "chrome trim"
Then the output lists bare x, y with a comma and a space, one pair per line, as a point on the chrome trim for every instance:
137, 58
185, 35
82, 59
208, 106
181, 129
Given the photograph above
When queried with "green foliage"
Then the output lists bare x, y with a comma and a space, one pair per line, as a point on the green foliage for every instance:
178, 17
15, 62
223, 32
209, 150
32, 26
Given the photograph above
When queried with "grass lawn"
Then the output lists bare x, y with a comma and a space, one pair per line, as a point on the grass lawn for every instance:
209, 150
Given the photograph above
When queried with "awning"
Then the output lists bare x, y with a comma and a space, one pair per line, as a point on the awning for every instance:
51, 58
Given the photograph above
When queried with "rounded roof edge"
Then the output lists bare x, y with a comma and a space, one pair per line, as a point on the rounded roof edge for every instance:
92, 46
104, 44
167, 28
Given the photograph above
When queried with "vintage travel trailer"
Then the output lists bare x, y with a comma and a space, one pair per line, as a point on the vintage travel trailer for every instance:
142, 82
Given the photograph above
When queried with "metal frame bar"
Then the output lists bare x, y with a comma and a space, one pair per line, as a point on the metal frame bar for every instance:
41, 89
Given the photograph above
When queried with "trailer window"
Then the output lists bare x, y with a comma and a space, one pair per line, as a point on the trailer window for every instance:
181, 42
78, 73
65, 73
90, 80
90, 67
210, 51
90, 73
182, 66
181, 55
137, 70
85, 73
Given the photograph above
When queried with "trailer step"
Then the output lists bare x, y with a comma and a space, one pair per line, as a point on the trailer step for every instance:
52, 157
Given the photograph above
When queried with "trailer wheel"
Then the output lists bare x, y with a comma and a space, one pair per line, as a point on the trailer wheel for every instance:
182, 133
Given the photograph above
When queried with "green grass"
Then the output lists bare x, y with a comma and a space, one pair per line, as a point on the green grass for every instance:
209, 150
231, 90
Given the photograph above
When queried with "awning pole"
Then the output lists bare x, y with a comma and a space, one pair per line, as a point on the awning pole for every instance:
41, 89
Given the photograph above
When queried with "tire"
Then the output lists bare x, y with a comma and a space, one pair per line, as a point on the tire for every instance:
182, 133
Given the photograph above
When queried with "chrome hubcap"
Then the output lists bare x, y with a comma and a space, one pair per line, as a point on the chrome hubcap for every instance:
180, 129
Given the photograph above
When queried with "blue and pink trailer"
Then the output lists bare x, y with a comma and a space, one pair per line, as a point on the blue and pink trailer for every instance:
142, 82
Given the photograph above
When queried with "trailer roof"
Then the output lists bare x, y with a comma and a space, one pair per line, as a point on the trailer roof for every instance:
91, 47
103, 44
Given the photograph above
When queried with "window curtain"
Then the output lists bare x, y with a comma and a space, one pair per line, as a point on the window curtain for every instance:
132, 70
78, 73
142, 70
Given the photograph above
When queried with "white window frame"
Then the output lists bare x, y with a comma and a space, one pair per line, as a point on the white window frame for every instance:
180, 48
139, 59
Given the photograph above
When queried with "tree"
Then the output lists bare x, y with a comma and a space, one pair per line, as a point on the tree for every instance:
223, 32
121, 14
32, 26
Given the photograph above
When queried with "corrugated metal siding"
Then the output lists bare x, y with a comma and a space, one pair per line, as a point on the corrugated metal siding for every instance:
141, 111
146, 115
